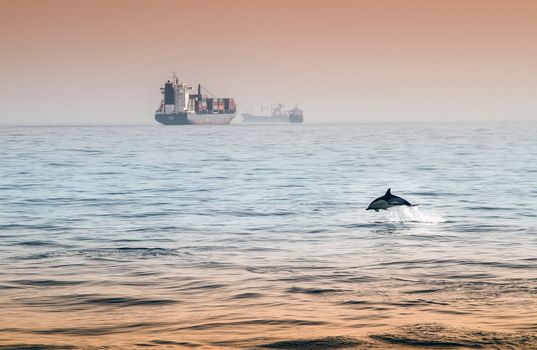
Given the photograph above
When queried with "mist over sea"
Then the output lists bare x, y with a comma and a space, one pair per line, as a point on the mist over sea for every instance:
256, 236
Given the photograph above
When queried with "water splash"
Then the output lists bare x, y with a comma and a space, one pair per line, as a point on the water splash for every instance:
414, 214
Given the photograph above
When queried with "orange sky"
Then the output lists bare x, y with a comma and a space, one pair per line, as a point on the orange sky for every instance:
95, 61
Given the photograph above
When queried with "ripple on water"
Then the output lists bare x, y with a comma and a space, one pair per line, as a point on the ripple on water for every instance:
277, 322
120, 253
249, 295
521, 264
37, 243
175, 343
36, 347
46, 283
79, 301
314, 291
91, 331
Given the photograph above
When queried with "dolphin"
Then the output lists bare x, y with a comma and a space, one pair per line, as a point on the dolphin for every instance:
387, 201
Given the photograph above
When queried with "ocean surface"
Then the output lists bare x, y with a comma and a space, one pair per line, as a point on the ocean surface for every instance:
256, 236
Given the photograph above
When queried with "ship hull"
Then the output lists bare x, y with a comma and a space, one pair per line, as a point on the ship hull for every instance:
194, 119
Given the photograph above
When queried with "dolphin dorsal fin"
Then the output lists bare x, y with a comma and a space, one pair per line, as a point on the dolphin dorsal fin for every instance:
388, 193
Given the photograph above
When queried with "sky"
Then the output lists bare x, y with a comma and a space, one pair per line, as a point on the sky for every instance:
103, 61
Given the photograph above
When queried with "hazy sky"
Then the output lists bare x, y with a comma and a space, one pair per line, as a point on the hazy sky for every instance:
103, 61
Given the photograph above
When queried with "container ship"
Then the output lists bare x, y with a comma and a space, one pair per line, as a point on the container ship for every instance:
180, 107
278, 115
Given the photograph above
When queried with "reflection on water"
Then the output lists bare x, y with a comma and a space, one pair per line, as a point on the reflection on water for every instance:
257, 237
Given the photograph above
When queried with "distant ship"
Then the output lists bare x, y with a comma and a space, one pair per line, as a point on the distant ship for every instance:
180, 107
278, 115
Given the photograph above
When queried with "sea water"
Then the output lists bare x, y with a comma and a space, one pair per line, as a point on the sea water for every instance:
257, 235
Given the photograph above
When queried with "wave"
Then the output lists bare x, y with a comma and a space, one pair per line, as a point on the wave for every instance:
79, 301
423, 336
439, 336
337, 342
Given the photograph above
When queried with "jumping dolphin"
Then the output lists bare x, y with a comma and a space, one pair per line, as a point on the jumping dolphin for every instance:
387, 201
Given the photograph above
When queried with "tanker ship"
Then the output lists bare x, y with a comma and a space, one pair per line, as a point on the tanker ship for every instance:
179, 106
278, 115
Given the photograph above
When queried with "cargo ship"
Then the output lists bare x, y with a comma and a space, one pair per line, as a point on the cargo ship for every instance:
180, 107
278, 115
